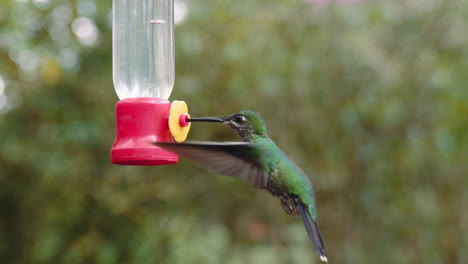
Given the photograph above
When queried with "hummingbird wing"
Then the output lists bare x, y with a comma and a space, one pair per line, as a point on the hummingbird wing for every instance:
312, 230
235, 159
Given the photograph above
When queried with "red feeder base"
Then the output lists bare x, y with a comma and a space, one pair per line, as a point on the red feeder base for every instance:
138, 122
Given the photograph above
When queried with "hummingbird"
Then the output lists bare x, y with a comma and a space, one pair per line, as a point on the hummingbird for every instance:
260, 162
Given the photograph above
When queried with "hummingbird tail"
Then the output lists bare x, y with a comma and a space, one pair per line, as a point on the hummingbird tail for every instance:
313, 231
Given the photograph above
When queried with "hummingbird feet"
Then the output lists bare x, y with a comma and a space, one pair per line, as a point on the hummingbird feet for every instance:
289, 205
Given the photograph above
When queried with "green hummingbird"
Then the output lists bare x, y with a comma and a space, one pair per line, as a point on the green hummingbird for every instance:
258, 161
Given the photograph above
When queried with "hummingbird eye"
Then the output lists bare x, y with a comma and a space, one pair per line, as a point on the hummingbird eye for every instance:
240, 118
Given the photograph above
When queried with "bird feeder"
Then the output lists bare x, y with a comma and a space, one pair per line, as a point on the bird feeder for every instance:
143, 75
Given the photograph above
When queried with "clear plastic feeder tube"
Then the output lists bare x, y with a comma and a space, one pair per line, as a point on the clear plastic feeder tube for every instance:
143, 73
143, 48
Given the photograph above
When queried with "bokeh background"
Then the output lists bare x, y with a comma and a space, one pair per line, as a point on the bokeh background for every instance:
370, 98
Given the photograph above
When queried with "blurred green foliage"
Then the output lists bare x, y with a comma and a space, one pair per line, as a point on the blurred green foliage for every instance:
369, 97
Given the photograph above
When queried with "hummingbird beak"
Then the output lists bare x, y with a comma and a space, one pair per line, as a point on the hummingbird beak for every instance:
217, 119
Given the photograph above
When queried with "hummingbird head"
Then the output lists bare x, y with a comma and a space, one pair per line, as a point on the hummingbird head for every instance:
247, 124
